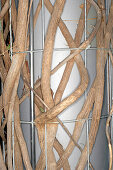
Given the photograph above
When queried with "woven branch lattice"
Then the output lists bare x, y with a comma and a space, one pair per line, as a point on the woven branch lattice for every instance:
10, 72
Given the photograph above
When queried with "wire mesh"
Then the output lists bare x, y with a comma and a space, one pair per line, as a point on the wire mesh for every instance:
67, 121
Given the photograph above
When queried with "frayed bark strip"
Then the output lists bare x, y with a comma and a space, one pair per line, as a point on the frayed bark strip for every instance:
9, 125
20, 137
4, 9
2, 164
14, 17
17, 154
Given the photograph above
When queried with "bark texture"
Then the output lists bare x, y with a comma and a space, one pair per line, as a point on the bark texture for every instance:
47, 107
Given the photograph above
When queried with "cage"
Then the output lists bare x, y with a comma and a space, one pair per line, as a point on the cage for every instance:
56, 84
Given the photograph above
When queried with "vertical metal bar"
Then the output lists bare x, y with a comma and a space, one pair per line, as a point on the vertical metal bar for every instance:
85, 31
107, 8
31, 93
11, 54
108, 84
87, 124
13, 141
3, 143
108, 97
46, 144
85, 37
10, 27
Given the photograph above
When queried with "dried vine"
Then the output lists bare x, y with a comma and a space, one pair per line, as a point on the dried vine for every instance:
47, 107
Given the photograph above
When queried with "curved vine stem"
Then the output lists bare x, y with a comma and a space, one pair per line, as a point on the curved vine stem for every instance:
69, 100
20, 137
45, 80
109, 139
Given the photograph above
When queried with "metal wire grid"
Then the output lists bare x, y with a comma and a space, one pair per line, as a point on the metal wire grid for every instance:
31, 51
